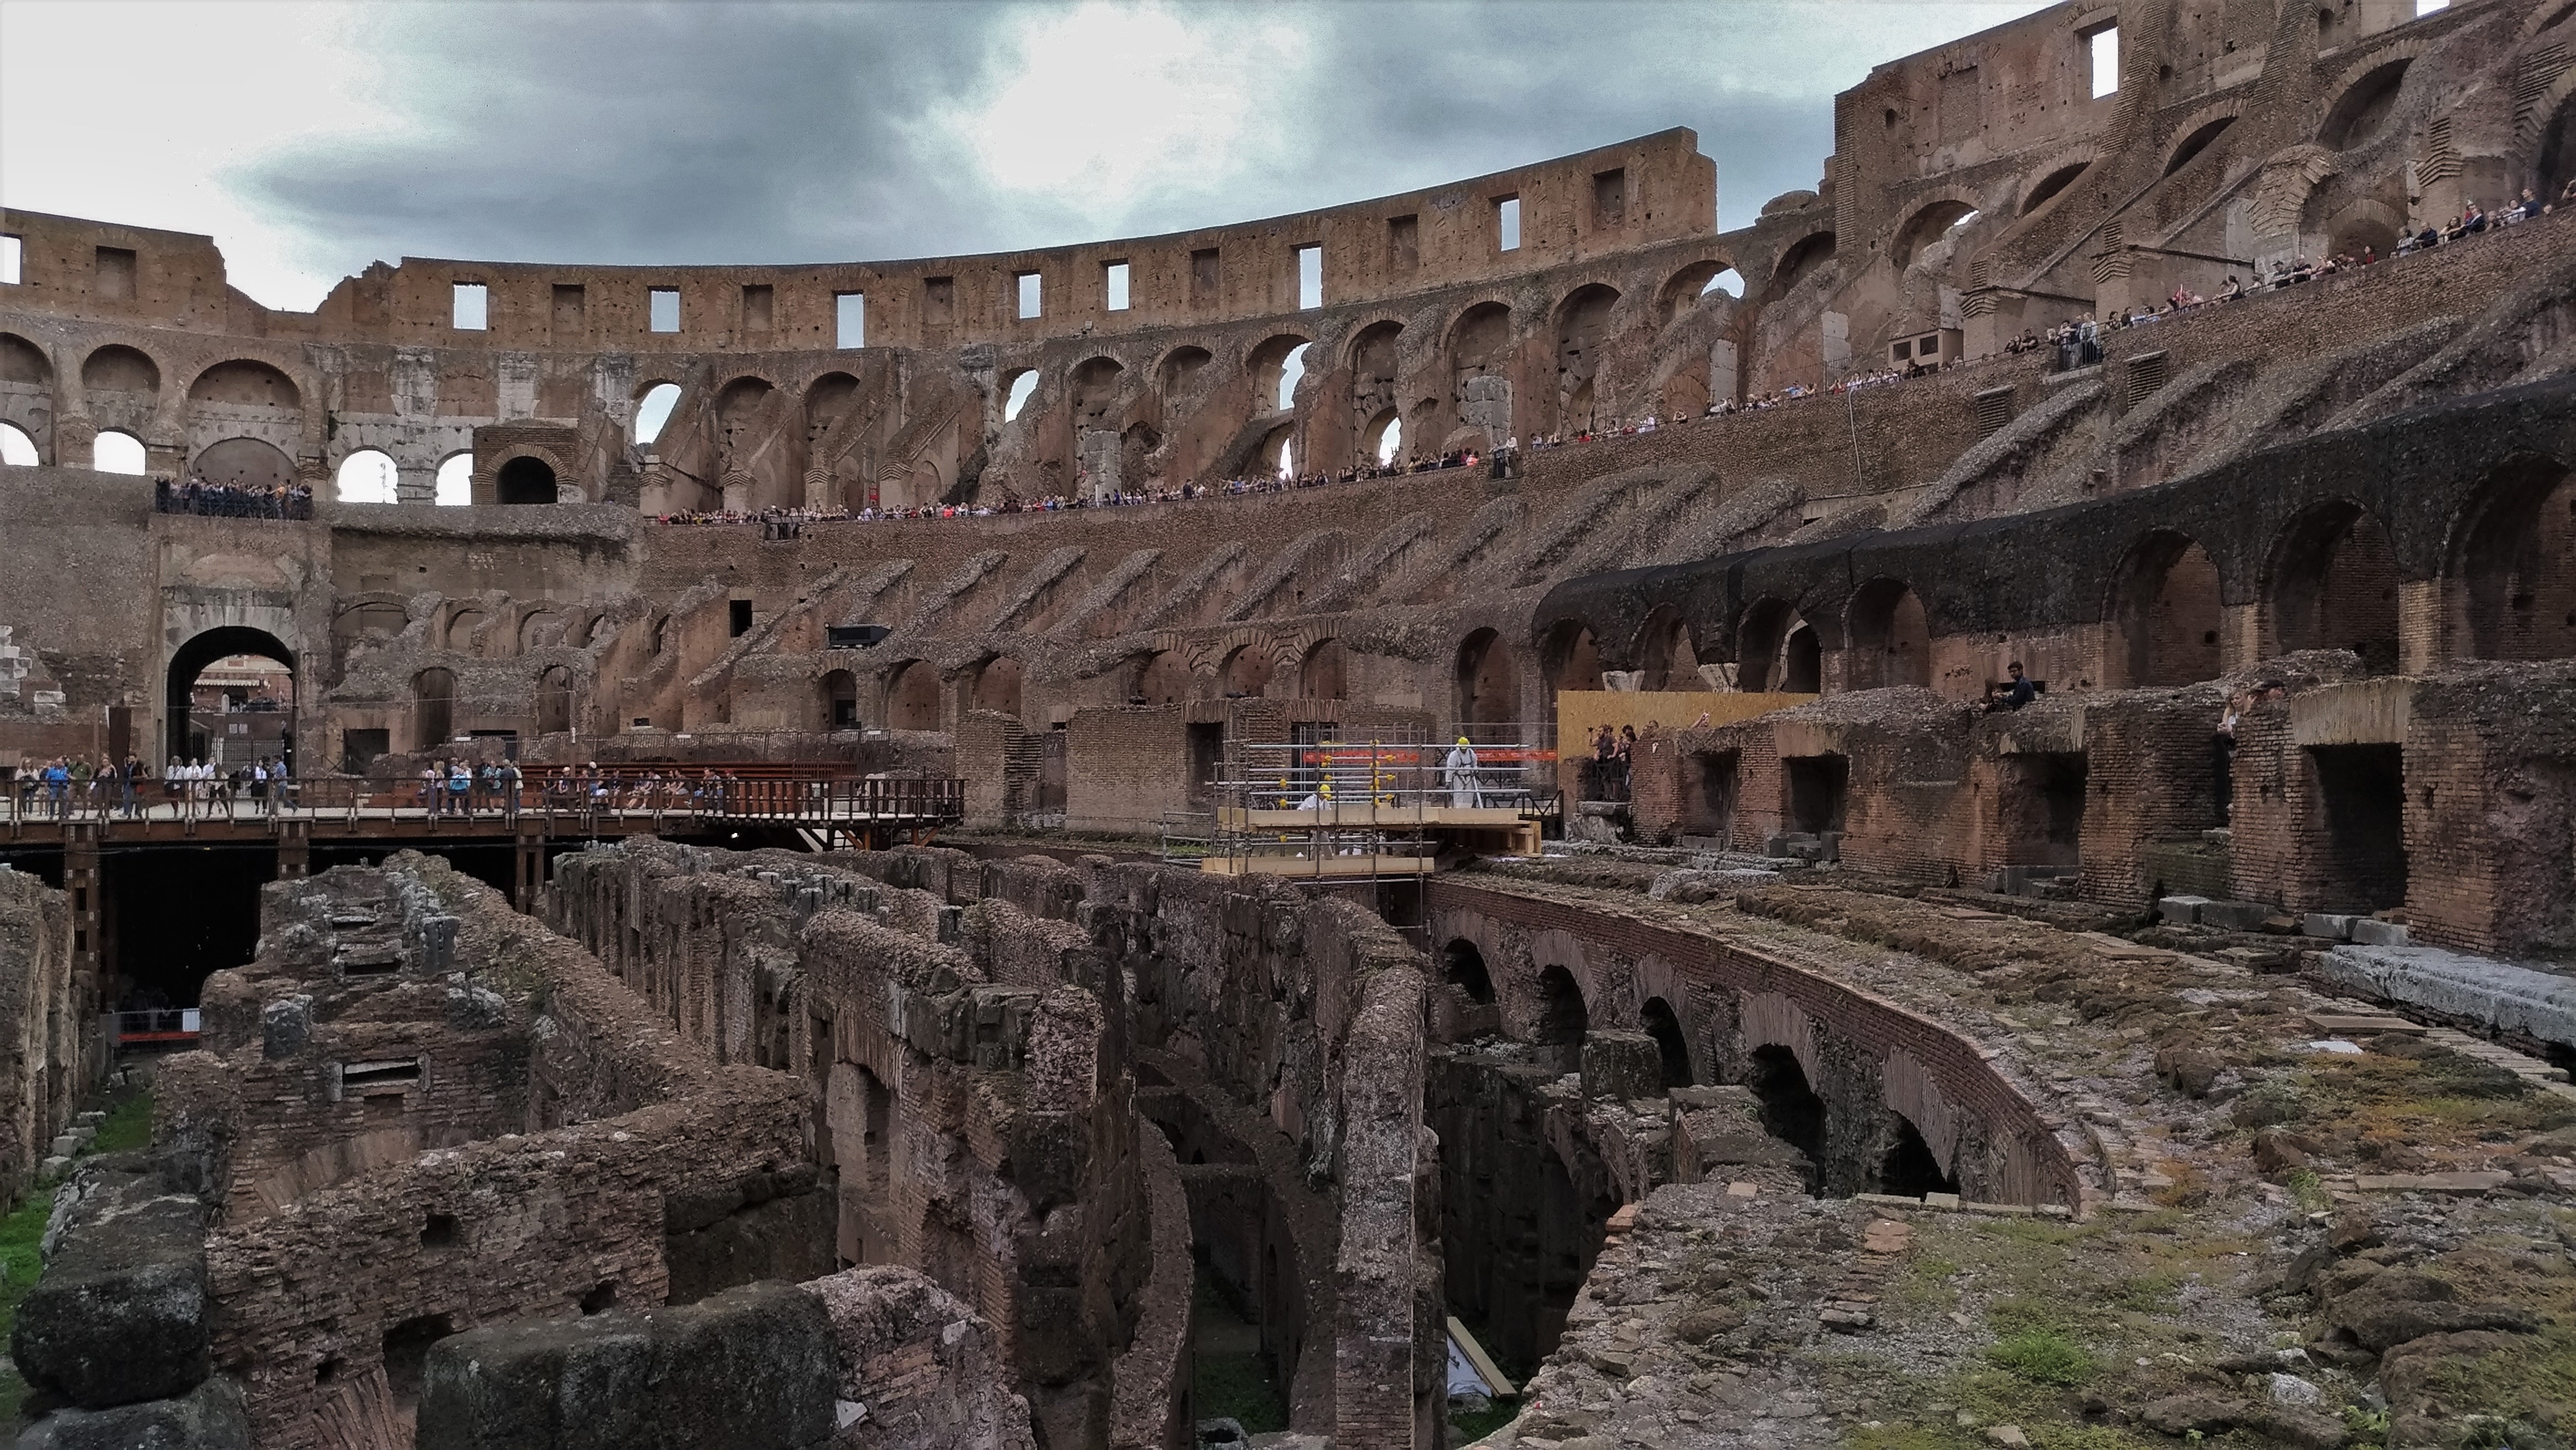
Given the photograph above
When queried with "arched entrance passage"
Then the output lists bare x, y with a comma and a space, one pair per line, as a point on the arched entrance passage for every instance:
1162, 678
1791, 1111
1247, 672
840, 700
997, 686
525, 480
1326, 673
1487, 694
1891, 642
1911, 1169
1665, 649
1562, 1017
2334, 586
180, 727
1462, 966
2164, 615
2516, 565
1572, 657
1671, 1045
912, 696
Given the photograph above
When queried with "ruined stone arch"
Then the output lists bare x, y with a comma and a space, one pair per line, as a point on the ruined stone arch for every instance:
1798, 261
1179, 369
2545, 16
1266, 364
245, 382
117, 368
2545, 148
465, 619
1162, 677
2064, 170
2164, 618
1688, 284
2359, 101
1581, 321
1485, 678
2330, 581
1771, 655
827, 399
2511, 564
1889, 636
991, 683
22, 361
540, 627
1324, 670
1093, 386
2197, 133
1665, 651
1931, 220
2281, 192
911, 693
1569, 658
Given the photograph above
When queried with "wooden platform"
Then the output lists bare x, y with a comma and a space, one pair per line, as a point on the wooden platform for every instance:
1326, 867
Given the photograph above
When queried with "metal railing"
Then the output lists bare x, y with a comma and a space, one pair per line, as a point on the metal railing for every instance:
631, 796
159, 1027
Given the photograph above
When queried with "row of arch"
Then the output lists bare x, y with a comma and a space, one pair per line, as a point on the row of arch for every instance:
1791, 1108
2330, 580
118, 369
367, 475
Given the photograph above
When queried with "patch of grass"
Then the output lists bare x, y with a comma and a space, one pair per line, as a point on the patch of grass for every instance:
2148, 1293
128, 1125
2044, 1357
20, 1233
2310, 1193
1477, 1425
1237, 1387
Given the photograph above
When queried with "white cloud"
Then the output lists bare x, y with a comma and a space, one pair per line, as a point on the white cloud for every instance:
1106, 109
139, 112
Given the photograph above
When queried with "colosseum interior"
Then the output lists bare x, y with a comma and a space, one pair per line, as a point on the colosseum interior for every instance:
1018, 851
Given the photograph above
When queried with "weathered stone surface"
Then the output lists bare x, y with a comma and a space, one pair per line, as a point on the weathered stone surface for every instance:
753, 1368
210, 1417
121, 1313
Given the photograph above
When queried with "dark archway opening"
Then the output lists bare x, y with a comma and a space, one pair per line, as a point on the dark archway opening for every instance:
2361, 793
1891, 640
554, 701
1463, 967
2518, 565
1486, 691
1802, 663
525, 480
2166, 614
1791, 1111
1819, 785
2334, 586
2195, 143
1670, 1043
181, 730
840, 700
1910, 1170
175, 917
1562, 1017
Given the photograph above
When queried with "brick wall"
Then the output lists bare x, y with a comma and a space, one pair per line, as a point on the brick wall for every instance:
48, 1026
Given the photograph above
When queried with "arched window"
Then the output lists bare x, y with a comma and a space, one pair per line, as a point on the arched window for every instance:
1390, 439
1022, 384
117, 453
367, 476
526, 480
17, 450
1463, 967
1671, 1045
1288, 457
1730, 282
456, 479
653, 411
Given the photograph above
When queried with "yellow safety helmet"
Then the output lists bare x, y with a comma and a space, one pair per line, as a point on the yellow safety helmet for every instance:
1462, 739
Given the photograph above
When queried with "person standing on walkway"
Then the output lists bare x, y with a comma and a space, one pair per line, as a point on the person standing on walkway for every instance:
1458, 772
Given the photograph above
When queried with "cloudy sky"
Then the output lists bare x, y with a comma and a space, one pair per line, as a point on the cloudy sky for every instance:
311, 139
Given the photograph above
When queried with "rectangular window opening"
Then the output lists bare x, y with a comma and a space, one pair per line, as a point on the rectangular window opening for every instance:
359, 1077
1610, 198
757, 300
115, 273
1032, 295
664, 303
13, 261
1403, 243
1507, 224
1113, 282
849, 319
473, 306
739, 617
1310, 276
2104, 47
938, 301
1204, 277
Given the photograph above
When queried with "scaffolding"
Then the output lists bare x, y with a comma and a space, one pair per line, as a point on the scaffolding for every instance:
1362, 810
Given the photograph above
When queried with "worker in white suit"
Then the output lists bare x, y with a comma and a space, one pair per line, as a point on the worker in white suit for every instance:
1458, 771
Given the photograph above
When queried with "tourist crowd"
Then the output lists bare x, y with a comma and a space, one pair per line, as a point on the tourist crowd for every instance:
232, 501
70, 787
